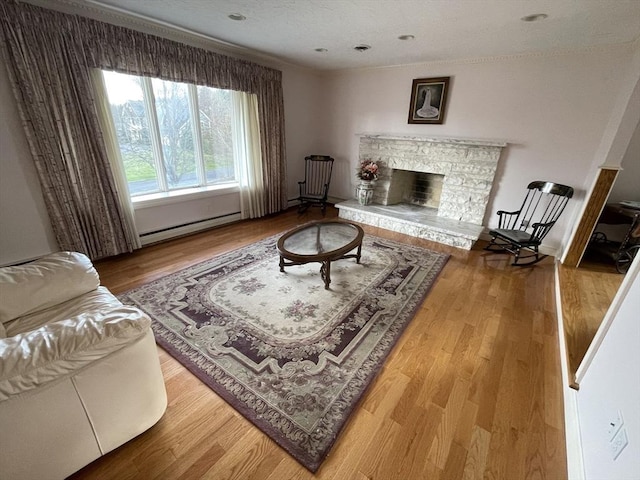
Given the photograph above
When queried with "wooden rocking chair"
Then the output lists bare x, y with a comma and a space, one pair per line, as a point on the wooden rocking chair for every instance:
315, 187
523, 230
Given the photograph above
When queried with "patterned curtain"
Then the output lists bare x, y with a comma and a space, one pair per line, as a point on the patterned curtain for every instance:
49, 57
51, 81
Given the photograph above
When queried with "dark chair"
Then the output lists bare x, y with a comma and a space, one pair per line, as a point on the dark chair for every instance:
523, 230
315, 187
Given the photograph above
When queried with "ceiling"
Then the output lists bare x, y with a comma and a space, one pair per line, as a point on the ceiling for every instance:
291, 30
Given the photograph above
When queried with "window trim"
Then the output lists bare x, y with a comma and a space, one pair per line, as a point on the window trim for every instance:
184, 195
167, 195
154, 130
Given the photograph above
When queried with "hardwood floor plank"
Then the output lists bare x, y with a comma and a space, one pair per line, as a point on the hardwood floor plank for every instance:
438, 382
287, 470
439, 451
454, 468
403, 408
244, 458
347, 452
466, 424
477, 453
195, 463
489, 383
385, 391
472, 390
374, 455
416, 464
503, 435
586, 294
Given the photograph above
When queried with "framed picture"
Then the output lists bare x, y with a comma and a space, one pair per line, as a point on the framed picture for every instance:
428, 100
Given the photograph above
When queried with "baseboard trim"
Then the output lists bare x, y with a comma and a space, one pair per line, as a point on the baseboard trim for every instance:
181, 230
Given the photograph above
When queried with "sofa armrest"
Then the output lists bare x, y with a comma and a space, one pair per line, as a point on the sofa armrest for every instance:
31, 359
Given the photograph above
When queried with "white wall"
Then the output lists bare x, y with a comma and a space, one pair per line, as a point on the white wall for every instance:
611, 382
169, 215
303, 108
551, 109
627, 186
616, 136
25, 230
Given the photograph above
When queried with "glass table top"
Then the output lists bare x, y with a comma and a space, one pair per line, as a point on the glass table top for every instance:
319, 238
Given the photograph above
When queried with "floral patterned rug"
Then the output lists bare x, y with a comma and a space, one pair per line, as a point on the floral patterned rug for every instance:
292, 357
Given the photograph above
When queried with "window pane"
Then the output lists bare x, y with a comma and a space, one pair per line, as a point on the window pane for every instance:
215, 125
132, 129
176, 133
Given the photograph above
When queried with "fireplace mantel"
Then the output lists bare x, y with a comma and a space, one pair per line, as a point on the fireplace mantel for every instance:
451, 141
468, 167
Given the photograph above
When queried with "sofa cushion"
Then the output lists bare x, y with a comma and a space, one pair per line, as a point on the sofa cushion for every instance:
45, 282
54, 351
98, 301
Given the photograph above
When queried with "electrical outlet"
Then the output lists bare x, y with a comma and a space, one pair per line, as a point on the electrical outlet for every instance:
615, 423
618, 443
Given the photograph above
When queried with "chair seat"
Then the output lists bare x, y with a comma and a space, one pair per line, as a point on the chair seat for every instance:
311, 197
519, 237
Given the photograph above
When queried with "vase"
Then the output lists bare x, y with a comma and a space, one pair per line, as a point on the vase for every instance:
364, 192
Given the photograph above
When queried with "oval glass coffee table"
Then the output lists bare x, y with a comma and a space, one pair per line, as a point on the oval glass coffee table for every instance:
323, 241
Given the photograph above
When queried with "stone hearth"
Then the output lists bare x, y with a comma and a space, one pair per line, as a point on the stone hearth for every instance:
463, 170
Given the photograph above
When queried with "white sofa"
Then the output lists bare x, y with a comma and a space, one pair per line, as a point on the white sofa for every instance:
79, 372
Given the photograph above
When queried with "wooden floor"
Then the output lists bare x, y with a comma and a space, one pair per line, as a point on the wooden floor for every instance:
586, 294
472, 390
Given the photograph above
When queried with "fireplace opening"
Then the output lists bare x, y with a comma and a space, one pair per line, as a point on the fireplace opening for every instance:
416, 188
426, 190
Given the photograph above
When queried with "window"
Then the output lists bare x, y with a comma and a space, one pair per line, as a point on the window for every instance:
171, 135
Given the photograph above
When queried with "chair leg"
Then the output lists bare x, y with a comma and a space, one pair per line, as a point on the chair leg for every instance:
535, 255
494, 246
516, 257
303, 207
498, 245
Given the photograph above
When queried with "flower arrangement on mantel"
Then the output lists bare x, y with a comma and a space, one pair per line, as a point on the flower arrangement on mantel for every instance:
368, 170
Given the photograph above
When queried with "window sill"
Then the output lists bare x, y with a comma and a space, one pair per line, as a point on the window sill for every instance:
184, 195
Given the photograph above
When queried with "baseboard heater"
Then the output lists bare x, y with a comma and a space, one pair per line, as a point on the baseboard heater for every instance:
187, 228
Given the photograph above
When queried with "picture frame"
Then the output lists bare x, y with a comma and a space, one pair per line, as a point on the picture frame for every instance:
428, 100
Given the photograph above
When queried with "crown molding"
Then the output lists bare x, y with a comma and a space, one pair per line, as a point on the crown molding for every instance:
631, 46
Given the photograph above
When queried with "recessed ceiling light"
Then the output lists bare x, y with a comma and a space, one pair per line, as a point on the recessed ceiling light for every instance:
534, 17
237, 17
406, 37
321, 50
362, 47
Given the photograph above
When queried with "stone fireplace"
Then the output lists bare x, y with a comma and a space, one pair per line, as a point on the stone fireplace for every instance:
432, 188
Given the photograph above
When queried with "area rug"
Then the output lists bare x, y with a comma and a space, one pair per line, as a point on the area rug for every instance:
290, 356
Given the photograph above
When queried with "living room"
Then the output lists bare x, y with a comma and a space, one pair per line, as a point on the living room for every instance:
562, 114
